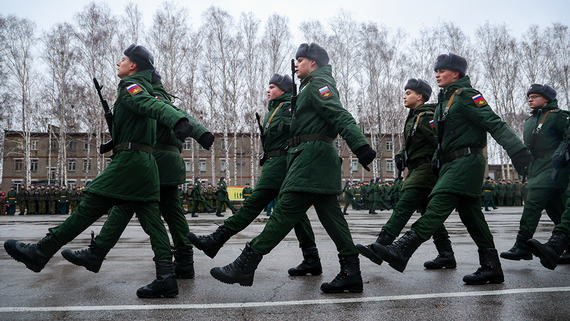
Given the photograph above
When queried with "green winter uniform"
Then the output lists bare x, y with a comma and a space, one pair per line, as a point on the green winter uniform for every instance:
464, 135
42, 201
22, 200
223, 198
63, 200
33, 201
348, 197
314, 169
543, 134
509, 193
172, 172
276, 133
246, 192
73, 199
52, 200
133, 166
197, 198
488, 190
11, 197
501, 189
420, 134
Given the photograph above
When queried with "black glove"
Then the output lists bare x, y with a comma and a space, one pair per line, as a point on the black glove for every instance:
559, 162
399, 160
106, 147
183, 129
365, 156
435, 167
206, 140
521, 159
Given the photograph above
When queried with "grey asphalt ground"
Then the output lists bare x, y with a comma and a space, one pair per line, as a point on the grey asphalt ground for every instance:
63, 291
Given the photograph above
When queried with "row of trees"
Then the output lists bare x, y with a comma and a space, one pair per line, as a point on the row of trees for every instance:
218, 71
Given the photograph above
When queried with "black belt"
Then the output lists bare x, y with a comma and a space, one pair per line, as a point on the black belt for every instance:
171, 148
542, 153
418, 162
295, 141
132, 146
460, 153
276, 153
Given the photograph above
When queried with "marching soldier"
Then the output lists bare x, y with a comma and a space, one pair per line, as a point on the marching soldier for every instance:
348, 196
313, 176
462, 120
543, 134
415, 154
197, 198
223, 198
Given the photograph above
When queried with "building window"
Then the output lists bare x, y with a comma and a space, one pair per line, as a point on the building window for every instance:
354, 165
54, 144
186, 145
85, 145
33, 165
71, 165
73, 145
223, 144
187, 165
389, 165
34, 144
202, 165
222, 165
86, 165
389, 145
18, 165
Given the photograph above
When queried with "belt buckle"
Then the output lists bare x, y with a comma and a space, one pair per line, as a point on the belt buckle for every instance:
129, 146
468, 151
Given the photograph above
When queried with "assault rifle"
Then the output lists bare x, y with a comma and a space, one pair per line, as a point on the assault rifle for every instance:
294, 91
566, 155
108, 146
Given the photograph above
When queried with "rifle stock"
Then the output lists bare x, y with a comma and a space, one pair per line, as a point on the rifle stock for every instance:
108, 146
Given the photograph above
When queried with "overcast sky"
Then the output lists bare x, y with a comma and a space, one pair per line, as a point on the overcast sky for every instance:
410, 14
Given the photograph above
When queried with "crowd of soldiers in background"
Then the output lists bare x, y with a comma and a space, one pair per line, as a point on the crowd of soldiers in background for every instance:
41, 199
383, 195
209, 192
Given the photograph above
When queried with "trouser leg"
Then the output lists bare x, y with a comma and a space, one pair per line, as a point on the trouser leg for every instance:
304, 233
173, 214
251, 208
537, 200
470, 213
149, 217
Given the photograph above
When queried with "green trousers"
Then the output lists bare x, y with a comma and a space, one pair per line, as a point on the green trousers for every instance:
42, 207
469, 208
199, 201
551, 199
412, 200
94, 206
32, 207
256, 203
564, 225
22, 207
291, 208
170, 209
227, 203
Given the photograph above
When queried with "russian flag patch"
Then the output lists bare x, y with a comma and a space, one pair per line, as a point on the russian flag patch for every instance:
134, 89
325, 92
479, 100
431, 123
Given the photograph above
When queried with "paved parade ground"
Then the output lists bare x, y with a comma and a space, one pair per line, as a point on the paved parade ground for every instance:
63, 291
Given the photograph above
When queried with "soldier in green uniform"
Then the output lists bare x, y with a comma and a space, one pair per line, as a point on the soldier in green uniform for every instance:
197, 198
462, 119
274, 140
51, 200
488, 189
518, 192
211, 195
11, 196
348, 196
22, 199
223, 198
133, 134
189, 199
501, 188
364, 193
33, 200
42, 200
543, 134
313, 176
370, 196
63, 199
246, 192
415, 154
171, 173
357, 205
73, 198
509, 193
181, 196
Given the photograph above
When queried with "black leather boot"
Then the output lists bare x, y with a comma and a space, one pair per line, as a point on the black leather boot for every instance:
34, 256
91, 258
520, 250
164, 286
241, 270
311, 263
398, 253
194, 214
369, 252
184, 262
549, 252
348, 279
490, 270
445, 257
384, 238
564, 258
211, 243
219, 214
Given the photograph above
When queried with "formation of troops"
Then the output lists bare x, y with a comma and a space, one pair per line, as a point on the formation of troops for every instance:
442, 152
44, 199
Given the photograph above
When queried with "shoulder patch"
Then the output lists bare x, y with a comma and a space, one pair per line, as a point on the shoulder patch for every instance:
134, 89
325, 92
479, 100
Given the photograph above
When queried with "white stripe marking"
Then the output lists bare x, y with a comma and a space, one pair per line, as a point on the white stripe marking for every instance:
281, 303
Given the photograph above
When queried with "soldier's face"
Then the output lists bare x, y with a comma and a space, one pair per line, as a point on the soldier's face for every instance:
126, 67
274, 92
445, 77
305, 66
412, 99
536, 101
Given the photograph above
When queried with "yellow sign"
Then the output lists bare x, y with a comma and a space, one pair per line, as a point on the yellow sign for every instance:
234, 193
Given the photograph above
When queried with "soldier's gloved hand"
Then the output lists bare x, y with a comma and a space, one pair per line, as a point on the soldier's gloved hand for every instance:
399, 160
560, 162
365, 156
183, 129
206, 140
435, 167
521, 159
